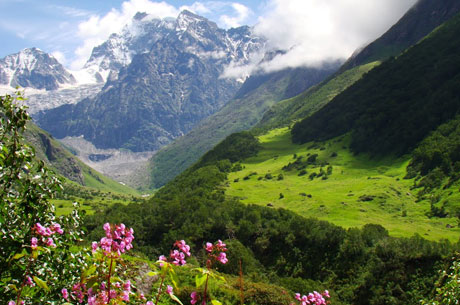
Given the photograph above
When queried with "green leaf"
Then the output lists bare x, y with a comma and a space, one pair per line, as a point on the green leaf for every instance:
89, 272
151, 273
215, 302
12, 286
174, 279
199, 280
92, 281
40, 283
19, 255
173, 297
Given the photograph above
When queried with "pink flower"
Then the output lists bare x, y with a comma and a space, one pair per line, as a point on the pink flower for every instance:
169, 290
326, 294
220, 244
34, 243
297, 296
92, 300
149, 303
29, 282
125, 296
194, 296
209, 247
113, 294
94, 246
162, 258
127, 286
41, 230
50, 242
11, 303
183, 247
55, 227
222, 258
65, 294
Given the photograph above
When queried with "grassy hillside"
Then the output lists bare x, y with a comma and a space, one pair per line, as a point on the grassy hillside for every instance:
287, 111
67, 165
257, 95
358, 190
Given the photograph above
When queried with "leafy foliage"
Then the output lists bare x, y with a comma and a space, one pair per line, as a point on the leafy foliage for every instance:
448, 290
441, 149
30, 266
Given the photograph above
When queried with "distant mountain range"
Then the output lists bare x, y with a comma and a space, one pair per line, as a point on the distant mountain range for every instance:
162, 93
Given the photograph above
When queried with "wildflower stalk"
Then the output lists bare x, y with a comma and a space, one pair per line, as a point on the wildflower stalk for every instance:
18, 299
160, 290
108, 279
205, 289
241, 284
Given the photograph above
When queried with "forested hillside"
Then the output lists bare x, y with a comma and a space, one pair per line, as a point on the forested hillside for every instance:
399, 102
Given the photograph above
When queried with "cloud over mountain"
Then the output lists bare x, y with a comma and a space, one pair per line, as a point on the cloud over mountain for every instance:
310, 32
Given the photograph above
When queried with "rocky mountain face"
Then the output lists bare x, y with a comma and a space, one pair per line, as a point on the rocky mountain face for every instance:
162, 93
33, 68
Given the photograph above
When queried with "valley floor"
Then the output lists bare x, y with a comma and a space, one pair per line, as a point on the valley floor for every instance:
358, 190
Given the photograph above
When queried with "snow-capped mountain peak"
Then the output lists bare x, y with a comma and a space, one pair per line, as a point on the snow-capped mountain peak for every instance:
33, 68
187, 19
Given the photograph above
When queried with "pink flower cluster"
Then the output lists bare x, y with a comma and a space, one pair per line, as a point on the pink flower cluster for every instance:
14, 303
45, 233
121, 292
117, 240
195, 297
314, 298
177, 255
217, 251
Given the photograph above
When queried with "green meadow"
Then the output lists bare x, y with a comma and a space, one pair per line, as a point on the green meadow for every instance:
351, 190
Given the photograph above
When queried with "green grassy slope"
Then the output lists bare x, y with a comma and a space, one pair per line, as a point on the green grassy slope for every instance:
310, 101
360, 190
67, 165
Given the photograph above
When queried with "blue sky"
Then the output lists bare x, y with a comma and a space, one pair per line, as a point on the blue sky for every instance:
314, 30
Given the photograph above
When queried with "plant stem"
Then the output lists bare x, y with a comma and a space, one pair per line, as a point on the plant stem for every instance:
241, 284
108, 279
18, 299
205, 289
160, 291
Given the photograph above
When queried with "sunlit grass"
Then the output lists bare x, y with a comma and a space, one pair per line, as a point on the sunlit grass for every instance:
337, 199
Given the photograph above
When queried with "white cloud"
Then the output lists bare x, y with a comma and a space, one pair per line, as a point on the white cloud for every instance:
197, 8
242, 14
59, 56
314, 31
